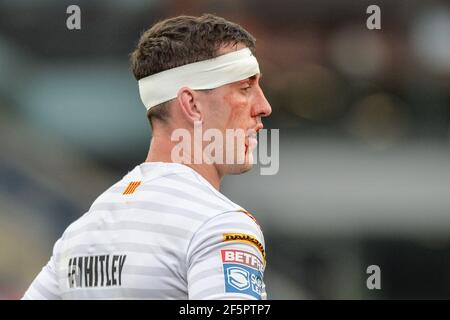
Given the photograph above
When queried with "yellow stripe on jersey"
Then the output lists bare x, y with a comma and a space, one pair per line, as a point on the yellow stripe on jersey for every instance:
132, 186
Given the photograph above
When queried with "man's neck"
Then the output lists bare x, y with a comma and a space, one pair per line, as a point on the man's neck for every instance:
208, 172
161, 150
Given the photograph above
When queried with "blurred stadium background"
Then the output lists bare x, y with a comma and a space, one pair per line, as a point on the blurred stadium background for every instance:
364, 129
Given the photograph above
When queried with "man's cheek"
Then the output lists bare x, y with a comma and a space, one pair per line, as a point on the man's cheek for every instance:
239, 115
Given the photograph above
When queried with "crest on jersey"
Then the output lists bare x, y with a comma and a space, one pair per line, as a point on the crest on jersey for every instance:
132, 186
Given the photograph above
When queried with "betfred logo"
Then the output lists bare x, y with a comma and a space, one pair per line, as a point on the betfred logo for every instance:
242, 257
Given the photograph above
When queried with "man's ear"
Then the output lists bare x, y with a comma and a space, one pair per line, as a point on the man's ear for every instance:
188, 101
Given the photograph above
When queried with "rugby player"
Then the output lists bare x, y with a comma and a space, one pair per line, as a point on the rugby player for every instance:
164, 231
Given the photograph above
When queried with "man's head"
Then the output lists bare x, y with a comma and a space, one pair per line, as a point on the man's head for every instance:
184, 40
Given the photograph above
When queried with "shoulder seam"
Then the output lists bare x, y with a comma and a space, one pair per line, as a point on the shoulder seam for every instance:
209, 219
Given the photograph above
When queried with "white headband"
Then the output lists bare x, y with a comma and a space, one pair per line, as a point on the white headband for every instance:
206, 74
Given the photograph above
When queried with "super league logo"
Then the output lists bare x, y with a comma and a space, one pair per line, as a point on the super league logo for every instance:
238, 278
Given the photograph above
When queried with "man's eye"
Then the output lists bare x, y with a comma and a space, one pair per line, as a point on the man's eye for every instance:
245, 88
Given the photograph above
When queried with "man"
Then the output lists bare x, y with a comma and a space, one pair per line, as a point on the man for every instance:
165, 231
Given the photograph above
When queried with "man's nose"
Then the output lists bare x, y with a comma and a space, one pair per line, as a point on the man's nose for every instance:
262, 107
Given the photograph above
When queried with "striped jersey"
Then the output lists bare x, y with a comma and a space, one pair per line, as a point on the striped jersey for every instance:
162, 232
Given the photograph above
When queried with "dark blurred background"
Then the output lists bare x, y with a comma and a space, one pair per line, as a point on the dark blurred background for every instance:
364, 136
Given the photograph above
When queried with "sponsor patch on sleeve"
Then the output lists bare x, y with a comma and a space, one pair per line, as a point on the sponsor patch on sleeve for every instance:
245, 238
243, 272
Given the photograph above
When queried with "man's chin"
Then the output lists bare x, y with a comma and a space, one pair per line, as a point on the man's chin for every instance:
236, 169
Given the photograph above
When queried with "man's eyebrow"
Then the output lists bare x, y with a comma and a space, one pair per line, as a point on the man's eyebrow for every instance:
252, 78
255, 76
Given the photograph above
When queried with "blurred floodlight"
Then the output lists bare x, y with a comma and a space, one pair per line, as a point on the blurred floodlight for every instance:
379, 121
358, 53
431, 39
313, 93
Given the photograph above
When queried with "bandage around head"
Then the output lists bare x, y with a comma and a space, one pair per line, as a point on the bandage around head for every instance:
206, 74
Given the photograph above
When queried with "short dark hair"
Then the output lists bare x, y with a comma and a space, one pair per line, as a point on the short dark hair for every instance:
181, 40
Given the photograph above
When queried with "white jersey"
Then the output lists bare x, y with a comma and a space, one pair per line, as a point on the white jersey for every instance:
162, 232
